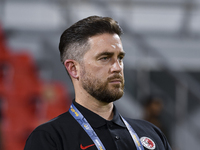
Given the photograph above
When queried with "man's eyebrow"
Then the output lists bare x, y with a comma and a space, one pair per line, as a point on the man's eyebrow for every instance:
105, 53
110, 54
122, 53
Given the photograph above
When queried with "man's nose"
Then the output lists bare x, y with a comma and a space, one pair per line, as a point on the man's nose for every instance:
117, 66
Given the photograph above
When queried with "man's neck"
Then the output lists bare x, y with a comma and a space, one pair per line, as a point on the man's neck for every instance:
105, 110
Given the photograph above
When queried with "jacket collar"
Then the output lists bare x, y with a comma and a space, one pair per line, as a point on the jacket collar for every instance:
97, 121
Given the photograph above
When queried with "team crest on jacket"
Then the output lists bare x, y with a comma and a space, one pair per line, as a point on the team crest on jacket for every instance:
147, 142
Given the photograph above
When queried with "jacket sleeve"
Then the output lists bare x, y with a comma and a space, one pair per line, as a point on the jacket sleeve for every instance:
162, 136
40, 140
147, 129
165, 141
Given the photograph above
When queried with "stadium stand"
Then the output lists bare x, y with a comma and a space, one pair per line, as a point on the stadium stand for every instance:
25, 100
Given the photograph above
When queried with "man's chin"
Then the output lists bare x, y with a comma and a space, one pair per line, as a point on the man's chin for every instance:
107, 101
115, 85
118, 91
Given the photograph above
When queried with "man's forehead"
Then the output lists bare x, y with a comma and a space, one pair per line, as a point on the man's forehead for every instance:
105, 42
104, 38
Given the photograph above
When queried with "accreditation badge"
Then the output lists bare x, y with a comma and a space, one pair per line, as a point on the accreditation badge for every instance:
147, 143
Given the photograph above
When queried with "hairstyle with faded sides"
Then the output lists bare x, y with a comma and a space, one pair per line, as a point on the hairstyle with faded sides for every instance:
74, 40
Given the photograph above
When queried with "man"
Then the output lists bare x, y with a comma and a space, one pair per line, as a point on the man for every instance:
92, 53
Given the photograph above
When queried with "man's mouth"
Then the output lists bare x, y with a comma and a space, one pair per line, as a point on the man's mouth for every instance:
116, 81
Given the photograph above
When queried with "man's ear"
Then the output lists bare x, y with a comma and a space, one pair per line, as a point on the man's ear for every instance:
71, 66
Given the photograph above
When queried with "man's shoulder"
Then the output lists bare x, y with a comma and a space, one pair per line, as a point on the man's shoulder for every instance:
60, 121
142, 125
146, 129
52, 133
139, 122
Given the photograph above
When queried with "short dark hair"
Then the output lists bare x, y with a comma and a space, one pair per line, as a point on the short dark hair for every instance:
74, 40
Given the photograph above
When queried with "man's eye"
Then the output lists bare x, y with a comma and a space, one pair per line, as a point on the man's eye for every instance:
121, 58
104, 58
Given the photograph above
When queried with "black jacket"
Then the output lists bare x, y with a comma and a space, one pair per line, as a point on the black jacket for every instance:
65, 133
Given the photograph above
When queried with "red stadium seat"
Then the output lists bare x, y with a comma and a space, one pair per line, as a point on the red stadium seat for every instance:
26, 101
55, 100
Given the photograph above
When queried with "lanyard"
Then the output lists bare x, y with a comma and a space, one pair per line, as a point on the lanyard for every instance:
86, 126
134, 135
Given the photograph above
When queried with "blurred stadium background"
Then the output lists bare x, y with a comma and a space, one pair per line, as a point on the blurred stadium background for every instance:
162, 43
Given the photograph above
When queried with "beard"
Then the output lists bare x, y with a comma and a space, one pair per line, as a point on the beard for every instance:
100, 89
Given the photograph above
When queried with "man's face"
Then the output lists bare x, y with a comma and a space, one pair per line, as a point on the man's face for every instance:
101, 73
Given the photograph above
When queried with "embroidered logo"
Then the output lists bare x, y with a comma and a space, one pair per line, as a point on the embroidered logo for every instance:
147, 142
85, 147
